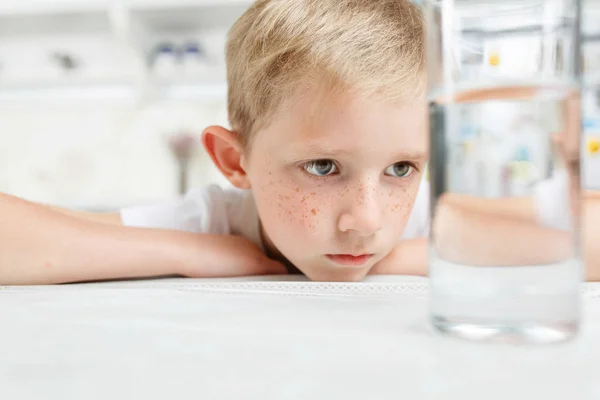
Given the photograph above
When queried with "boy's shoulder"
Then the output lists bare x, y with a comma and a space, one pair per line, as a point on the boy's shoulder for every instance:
210, 209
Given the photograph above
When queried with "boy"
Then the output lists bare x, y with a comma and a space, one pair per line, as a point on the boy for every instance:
327, 148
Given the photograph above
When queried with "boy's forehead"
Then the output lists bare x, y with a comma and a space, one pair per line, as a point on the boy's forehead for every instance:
319, 106
316, 111
346, 122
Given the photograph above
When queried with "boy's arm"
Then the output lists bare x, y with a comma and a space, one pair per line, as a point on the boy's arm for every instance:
470, 237
475, 237
590, 224
513, 207
408, 258
113, 218
41, 246
465, 237
523, 210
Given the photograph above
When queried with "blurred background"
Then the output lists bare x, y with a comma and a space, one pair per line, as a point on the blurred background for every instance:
590, 149
102, 102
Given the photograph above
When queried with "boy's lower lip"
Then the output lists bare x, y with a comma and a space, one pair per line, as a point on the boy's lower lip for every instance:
349, 259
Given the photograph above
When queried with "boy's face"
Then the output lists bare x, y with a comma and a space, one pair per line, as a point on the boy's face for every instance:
335, 180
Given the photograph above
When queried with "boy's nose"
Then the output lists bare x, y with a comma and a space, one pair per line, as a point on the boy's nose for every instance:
364, 214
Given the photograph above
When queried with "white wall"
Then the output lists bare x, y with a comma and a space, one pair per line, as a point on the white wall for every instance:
95, 155
103, 154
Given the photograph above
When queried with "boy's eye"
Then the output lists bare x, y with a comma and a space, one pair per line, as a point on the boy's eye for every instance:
399, 170
320, 167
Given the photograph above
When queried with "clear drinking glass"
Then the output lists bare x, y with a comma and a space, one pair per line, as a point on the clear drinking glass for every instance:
504, 97
590, 23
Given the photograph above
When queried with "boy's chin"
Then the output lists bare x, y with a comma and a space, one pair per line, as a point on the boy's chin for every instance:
329, 274
326, 273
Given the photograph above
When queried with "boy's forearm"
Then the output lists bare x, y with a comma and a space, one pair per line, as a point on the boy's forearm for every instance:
41, 246
413, 256
516, 237
511, 207
590, 233
113, 218
409, 257
474, 238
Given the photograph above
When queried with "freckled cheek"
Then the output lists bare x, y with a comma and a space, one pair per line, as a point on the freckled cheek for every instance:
313, 208
399, 202
300, 209
287, 203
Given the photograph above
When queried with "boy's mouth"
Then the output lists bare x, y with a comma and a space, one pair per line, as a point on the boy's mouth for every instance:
349, 259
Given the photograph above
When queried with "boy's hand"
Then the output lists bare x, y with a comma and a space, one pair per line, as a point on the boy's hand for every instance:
229, 256
73, 249
408, 258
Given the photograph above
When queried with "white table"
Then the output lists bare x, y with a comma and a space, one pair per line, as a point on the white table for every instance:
243, 339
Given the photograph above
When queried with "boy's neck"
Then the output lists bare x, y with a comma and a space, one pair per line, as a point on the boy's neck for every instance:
272, 252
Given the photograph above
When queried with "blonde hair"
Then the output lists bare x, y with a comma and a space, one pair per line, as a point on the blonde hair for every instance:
374, 47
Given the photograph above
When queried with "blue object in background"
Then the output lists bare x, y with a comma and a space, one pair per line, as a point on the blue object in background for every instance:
591, 124
522, 154
192, 48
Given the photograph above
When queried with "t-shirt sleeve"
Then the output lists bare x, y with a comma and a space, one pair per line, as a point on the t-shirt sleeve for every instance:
552, 204
199, 211
418, 222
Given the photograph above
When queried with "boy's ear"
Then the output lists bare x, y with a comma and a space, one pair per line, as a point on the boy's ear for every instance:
226, 152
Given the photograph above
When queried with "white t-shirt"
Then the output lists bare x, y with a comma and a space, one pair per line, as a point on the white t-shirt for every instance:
231, 211
552, 202
221, 211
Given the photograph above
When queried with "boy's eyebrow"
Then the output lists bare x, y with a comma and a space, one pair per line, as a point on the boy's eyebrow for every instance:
400, 156
327, 151
411, 155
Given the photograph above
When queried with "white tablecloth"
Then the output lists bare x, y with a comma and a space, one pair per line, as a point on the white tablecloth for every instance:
257, 339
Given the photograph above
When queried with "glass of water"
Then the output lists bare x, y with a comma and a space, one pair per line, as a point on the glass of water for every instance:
591, 94
504, 97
